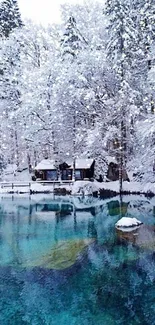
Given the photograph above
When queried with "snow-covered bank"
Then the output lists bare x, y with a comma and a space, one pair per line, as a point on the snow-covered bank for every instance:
80, 188
85, 188
130, 187
32, 188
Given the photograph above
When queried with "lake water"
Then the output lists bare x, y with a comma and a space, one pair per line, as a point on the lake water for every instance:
62, 262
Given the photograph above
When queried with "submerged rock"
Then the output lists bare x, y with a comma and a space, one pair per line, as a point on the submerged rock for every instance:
63, 255
142, 237
128, 223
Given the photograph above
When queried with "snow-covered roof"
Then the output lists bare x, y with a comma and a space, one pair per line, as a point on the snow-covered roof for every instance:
83, 163
46, 164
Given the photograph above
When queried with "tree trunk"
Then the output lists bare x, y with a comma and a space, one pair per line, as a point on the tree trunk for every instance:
16, 145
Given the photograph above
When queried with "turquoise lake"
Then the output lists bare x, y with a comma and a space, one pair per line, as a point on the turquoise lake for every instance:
62, 262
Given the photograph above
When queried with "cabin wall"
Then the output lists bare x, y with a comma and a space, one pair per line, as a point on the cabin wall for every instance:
67, 174
47, 175
81, 174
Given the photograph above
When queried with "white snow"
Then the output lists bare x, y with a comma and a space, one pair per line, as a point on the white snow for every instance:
127, 186
111, 159
80, 163
33, 186
83, 163
46, 164
126, 222
12, 175
83, 188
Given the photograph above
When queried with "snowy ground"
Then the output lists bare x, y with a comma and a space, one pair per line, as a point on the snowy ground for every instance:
78, 188
130, 187
82, 187
32, 187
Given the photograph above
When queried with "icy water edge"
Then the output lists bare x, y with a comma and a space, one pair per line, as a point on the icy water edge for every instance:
62, 261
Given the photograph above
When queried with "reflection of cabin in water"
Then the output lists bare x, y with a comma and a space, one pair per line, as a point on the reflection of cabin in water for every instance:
55, 208
58, 209
48, 171
115, 208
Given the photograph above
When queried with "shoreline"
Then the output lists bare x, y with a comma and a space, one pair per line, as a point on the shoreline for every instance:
80, 188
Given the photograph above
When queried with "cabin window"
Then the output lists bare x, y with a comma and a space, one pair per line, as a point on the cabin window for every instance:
51, 175
78, 174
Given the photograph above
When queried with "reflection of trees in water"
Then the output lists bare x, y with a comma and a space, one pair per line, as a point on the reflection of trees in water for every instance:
87, 200
141, 207
30, 214
138, 207
61, 209
92, 232
117, 208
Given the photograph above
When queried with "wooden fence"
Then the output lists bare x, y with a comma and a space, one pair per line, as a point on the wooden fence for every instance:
21, 184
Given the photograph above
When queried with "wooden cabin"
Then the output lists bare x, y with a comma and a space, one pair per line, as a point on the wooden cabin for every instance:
46, 170
84, 168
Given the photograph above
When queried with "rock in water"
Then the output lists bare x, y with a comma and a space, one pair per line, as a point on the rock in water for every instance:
143, 236
63, 255
125, 222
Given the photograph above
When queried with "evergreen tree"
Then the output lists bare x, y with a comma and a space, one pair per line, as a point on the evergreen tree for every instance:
148, 35
10, 17
72, 39
122, 54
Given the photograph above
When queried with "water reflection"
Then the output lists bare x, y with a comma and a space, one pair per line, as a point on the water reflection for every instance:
117, 207
63, 262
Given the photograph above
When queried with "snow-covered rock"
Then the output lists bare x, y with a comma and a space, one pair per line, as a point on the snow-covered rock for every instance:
128, 223
84, 188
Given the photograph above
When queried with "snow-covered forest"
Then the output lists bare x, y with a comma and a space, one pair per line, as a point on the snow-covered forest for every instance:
85, 87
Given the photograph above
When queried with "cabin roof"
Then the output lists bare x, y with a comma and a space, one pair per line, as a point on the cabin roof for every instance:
83, 163
80, 163
46, 164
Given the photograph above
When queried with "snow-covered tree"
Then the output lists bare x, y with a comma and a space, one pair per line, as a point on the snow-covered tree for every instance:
10, 17
72, 39
126, 50
81, 88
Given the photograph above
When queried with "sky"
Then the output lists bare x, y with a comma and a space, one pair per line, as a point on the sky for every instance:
43, 11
